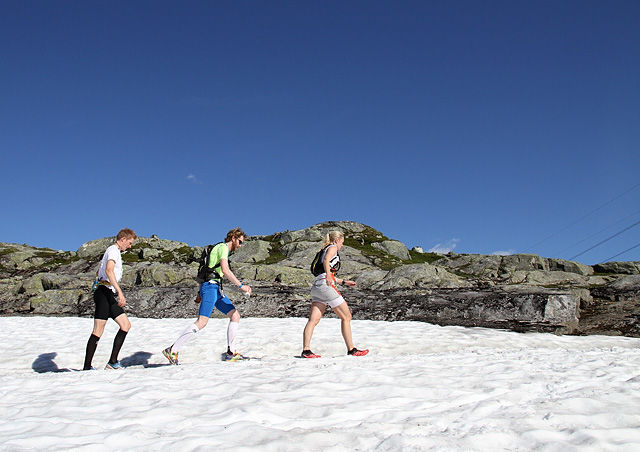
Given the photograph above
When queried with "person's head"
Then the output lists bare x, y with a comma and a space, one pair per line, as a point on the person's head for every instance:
236, 236
125, 239
335, 238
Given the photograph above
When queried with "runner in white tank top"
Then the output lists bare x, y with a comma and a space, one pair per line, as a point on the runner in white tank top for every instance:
324, 293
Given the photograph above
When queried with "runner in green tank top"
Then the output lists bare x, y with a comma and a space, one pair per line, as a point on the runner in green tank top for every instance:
211, 296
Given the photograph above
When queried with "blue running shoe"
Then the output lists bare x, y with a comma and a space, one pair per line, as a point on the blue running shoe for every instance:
115, 366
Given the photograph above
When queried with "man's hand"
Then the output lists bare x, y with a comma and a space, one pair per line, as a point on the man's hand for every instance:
198, 298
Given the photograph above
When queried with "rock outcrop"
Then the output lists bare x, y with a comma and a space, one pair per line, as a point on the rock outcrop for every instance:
522, 292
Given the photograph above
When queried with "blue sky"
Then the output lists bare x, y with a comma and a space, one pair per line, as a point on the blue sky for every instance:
482, 127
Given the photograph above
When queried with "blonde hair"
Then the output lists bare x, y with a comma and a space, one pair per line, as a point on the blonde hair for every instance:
332, 237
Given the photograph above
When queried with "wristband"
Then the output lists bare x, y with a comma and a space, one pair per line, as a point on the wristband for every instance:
240, 286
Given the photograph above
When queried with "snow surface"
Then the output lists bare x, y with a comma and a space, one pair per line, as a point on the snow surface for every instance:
422, 387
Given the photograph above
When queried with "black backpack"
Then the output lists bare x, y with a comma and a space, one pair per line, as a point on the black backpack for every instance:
317, 265
204, 271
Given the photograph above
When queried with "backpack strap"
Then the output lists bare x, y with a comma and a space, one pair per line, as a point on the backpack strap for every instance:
318, 268
211, 271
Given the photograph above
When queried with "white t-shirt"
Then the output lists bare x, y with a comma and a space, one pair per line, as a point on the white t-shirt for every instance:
112, 254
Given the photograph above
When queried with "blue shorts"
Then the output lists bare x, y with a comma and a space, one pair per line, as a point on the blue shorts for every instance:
212, 297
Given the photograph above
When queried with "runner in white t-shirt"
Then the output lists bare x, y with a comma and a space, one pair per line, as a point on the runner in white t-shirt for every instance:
107, 305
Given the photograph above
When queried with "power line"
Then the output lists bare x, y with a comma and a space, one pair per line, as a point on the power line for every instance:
581, 218
597, 233
620, 254
605, 240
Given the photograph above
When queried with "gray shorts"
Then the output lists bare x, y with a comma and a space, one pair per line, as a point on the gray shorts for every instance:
328, 295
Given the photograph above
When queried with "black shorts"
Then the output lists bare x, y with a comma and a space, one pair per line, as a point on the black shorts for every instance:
106, 304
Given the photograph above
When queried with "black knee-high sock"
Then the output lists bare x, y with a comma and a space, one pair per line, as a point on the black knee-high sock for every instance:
92, 344
117, 345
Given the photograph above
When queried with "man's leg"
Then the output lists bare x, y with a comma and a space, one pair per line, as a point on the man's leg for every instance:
92, 343
123, 322
189, 333
209, 296
232, 330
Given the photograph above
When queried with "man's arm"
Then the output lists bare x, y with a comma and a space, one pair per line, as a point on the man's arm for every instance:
226, 271
111, 275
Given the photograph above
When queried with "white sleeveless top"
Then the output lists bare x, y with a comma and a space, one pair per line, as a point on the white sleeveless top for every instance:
333, 263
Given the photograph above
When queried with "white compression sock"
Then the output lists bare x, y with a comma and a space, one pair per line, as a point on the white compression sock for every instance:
185, 337
232, 330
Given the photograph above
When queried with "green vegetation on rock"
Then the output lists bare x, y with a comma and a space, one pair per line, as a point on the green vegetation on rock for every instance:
275, 254
426, 258
381, 259
5, 250
59, 261
183, 254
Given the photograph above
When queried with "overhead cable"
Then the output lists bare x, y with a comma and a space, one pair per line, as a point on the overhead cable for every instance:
559, 253
605, 240
620, 254
581, 218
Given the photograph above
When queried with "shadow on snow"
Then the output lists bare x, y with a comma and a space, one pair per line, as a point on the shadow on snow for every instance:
45, 362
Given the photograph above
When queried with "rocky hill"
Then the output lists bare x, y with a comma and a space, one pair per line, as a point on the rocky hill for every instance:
522, 292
